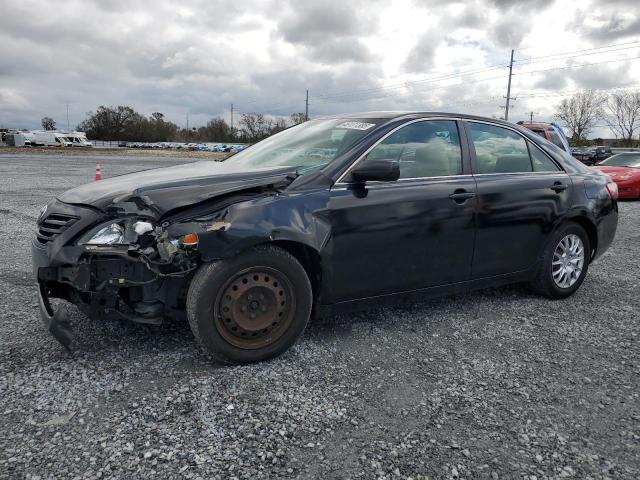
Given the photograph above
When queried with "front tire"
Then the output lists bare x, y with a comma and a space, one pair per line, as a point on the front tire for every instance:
564, 262
251, 307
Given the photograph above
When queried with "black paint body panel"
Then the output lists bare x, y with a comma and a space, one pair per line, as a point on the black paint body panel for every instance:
362, 244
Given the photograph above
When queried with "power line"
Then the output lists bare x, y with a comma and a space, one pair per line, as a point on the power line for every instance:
404, 84
494, 78
345, 94
578, 65
635, 42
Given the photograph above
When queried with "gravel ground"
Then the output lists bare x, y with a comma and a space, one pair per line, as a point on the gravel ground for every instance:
494, 384
112, 151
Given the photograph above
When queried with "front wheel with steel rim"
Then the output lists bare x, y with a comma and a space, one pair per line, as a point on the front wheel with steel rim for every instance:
251, 307
564, 262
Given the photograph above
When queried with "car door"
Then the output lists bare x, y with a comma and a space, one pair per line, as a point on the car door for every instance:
412, 233
522, 193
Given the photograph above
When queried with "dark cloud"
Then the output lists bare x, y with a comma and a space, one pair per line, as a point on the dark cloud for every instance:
422, 55
520, 4
603, 77
615, 26
509, 31
198, 56
553, 80
329, 31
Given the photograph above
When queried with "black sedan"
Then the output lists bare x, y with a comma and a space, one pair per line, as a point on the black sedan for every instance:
333, 214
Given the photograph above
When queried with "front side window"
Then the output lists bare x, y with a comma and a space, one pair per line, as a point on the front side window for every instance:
499, 150
429, 148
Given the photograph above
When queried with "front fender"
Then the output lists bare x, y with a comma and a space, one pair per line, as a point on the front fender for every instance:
299, 217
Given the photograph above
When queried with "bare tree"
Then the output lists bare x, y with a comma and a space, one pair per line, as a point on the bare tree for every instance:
581, 112
48, 123
623, 115
254, 126
297, 118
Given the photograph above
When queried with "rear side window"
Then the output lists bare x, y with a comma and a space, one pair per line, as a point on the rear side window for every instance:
540, 162
429, 148
499, 150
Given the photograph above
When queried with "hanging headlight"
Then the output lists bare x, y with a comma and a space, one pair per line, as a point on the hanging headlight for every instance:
119, 232
112, 234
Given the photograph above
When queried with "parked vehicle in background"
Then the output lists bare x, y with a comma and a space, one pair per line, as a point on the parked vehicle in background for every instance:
598, 154
582, 154
624, 169
332, 214
50, 138
78, 139
549, 131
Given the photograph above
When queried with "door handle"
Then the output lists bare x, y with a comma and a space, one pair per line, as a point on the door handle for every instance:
559, 187
460, 196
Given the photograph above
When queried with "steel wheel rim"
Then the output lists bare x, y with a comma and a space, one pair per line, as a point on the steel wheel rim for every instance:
568, 261
254, 308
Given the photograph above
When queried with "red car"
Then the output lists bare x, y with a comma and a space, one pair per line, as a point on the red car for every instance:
624, 169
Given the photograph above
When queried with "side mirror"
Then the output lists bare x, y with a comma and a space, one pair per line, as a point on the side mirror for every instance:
376, 170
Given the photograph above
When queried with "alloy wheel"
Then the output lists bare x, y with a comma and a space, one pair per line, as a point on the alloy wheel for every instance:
568, 261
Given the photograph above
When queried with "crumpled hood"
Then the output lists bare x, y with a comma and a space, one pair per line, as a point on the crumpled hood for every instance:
174, 187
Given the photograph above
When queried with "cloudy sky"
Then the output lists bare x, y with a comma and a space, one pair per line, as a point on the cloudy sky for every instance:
196, 57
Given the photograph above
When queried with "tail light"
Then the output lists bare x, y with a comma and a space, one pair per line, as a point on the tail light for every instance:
612, 188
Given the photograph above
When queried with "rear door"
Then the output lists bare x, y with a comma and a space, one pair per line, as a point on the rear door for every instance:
522, 192
408, 234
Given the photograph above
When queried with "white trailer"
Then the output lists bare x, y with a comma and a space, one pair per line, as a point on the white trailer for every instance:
50, 138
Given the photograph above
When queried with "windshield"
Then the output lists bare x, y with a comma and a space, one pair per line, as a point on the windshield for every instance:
623, 160
310, 145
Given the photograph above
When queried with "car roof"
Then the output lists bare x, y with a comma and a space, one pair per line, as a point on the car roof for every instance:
535, 124
415, 114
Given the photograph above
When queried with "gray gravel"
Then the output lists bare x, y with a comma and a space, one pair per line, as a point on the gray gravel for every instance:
494, 384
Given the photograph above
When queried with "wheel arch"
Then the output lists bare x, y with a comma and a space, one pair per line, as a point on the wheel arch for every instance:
308, 257
591, 229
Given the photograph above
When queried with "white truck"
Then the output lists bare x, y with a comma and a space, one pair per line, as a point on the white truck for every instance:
50, 138
78, 139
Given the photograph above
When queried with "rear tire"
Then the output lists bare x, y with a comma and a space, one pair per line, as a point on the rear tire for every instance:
250, 308
564, 262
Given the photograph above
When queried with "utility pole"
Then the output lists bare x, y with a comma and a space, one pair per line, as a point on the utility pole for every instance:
306, 107
232, 119
506, 107
68, 117
187, 121
531, 117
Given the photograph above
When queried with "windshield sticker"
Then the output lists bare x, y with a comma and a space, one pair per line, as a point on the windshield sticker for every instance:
356, 125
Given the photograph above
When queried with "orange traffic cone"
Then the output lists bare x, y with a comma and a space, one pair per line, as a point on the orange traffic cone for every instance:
98, 171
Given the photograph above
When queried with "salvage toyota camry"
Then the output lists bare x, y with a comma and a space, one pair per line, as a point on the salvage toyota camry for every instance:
336, 213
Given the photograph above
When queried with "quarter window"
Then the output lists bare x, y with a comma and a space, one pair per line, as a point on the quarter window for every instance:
541, 163
429, 148
499, 150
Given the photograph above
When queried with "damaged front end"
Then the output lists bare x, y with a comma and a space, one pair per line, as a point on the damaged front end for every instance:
126, 266
130, 259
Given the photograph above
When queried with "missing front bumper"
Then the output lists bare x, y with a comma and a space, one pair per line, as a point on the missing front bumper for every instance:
56, 320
